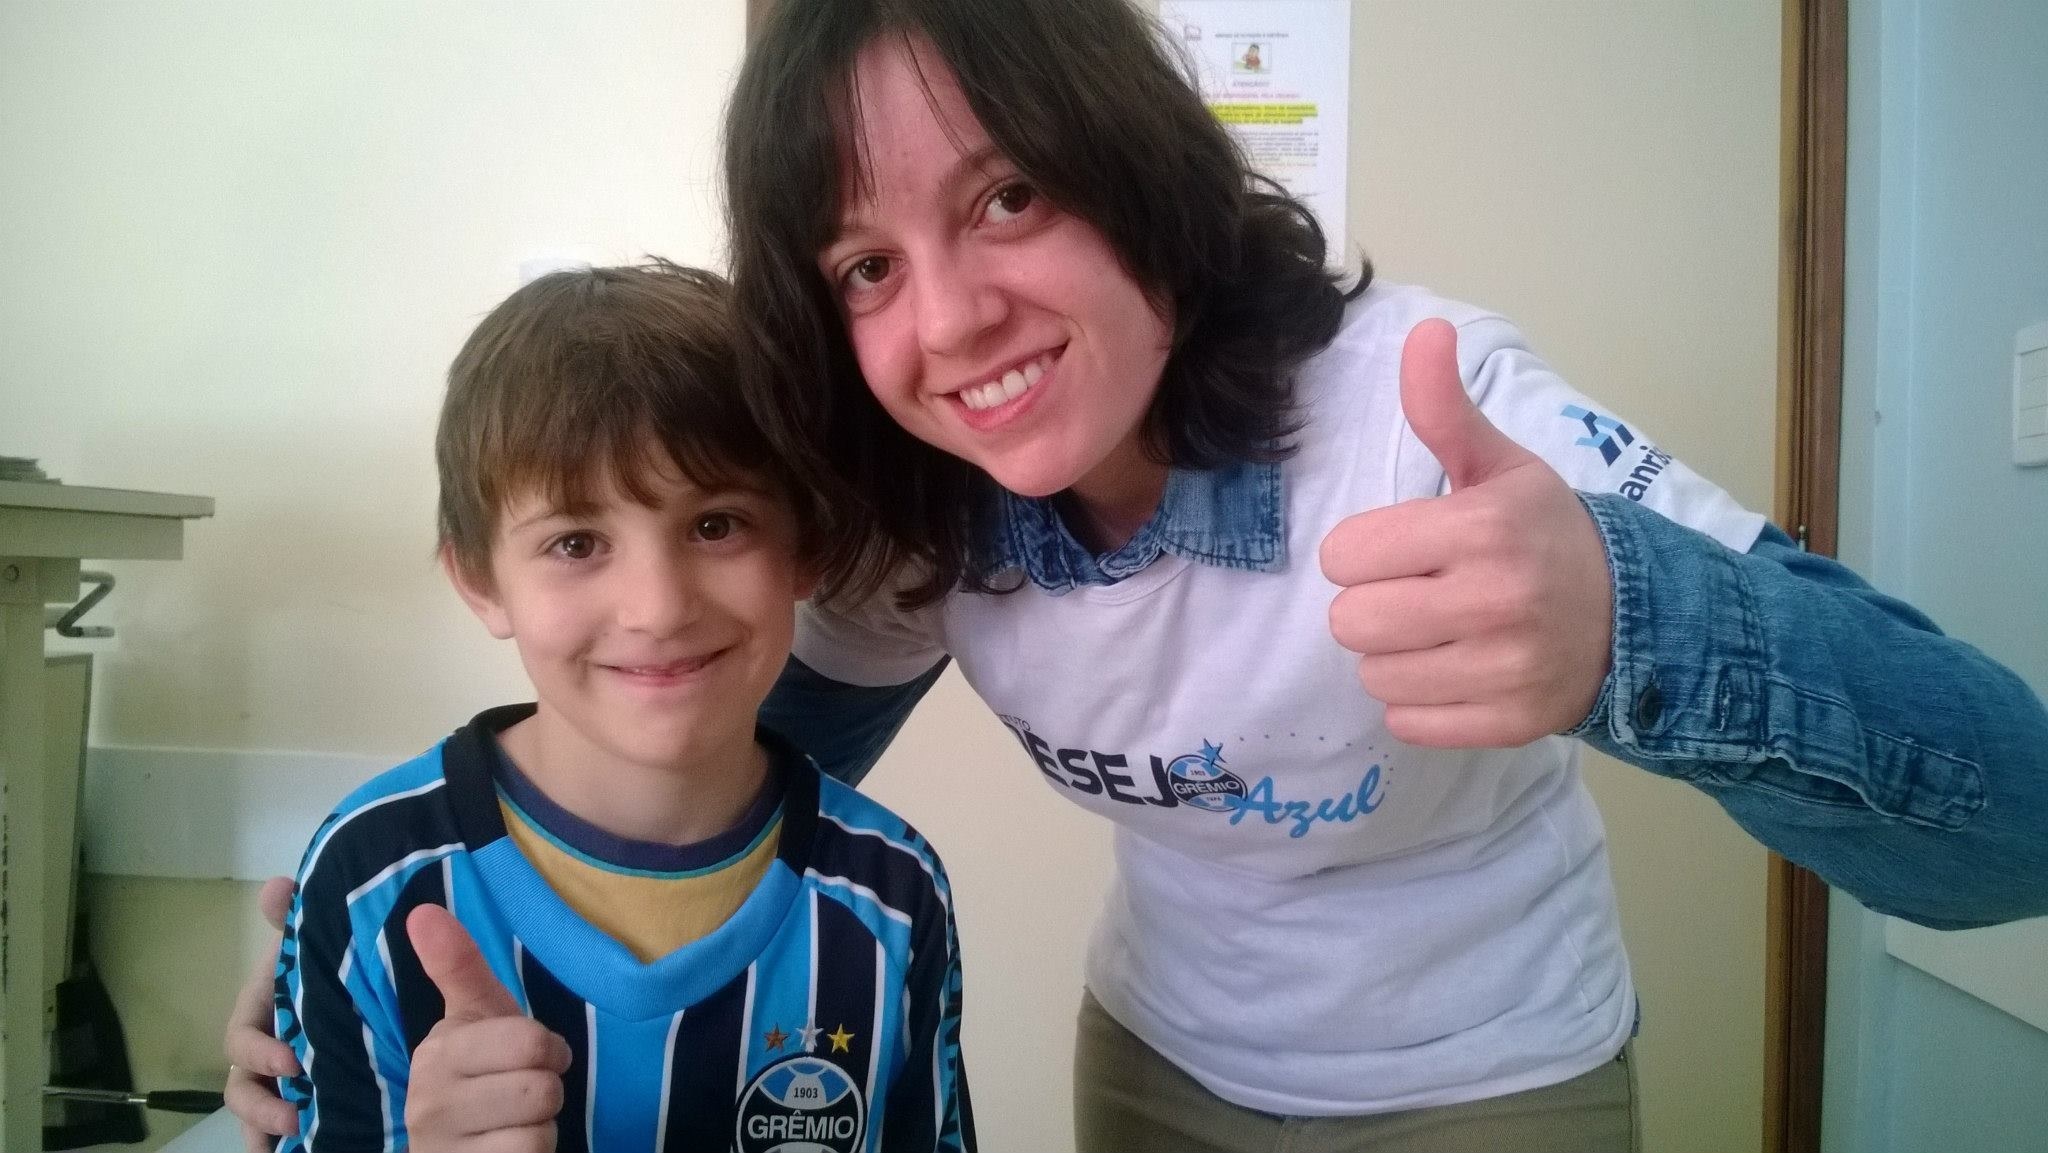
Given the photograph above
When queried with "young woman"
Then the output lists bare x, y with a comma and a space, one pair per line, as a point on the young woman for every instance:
1125, 434
1305, 581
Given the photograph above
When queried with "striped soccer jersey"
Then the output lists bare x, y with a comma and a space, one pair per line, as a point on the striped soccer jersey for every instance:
824, 1015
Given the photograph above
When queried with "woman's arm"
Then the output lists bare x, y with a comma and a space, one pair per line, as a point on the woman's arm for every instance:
843, 727
1835, 724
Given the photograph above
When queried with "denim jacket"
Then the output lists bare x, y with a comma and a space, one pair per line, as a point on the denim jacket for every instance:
1838, 726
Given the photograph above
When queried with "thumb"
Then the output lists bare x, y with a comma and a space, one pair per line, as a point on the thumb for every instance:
1444, 418
468, 987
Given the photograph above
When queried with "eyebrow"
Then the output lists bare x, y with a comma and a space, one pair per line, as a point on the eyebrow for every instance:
735, 489
546, 514
977, 162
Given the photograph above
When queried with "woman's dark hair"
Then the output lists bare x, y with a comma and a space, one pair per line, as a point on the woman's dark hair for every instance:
1090, 104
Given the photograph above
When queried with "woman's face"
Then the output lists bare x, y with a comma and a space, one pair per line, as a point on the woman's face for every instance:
988, 322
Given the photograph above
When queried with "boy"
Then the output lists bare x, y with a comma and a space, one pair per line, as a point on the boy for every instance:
738, 952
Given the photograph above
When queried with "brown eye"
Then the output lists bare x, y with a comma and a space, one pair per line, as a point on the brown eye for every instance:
870, 270
715, 527
575, 546
1011, 201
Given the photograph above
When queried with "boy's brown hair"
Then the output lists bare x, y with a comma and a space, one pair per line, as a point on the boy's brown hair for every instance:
592, 376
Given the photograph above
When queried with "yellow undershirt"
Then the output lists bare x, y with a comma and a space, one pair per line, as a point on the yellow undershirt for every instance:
652, 914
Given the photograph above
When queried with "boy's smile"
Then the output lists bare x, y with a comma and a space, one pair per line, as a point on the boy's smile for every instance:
651, 633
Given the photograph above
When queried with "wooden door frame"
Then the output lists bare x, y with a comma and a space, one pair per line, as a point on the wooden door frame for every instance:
1813, 189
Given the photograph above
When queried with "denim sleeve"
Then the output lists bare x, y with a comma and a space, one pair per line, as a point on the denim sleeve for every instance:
1836, 725
843, 727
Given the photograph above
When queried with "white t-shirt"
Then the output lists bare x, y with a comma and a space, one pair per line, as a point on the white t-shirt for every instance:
1308, 916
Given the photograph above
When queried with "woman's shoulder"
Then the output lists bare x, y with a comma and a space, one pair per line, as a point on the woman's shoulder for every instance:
1383, 314
1363, 361
872, 640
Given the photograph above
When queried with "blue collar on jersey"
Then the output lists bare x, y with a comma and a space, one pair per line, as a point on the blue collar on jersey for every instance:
1231, 517
595, 967
613, 853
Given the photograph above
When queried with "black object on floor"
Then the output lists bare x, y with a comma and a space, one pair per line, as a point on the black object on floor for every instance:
88, 1051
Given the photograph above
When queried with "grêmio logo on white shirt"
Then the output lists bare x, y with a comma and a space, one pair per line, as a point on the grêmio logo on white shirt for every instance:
1198, 781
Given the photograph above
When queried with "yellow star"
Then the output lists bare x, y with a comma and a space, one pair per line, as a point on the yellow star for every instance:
775, 1038
839, 1039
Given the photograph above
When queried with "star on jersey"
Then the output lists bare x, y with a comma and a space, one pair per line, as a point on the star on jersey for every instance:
807, 1036
840, 1039
774, 1038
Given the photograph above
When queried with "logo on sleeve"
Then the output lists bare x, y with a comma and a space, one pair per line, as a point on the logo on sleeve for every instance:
1610, 437
802, 1104
1605, 433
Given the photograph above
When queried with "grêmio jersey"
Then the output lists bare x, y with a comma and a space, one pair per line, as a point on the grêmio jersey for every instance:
823, 1015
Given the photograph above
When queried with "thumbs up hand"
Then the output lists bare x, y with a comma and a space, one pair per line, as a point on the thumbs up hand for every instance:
1482, 618
487, 1077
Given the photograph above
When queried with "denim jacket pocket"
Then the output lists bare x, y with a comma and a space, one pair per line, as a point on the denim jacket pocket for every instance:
1820, 753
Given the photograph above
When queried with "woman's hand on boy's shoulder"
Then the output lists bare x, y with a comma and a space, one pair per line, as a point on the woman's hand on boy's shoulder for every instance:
487, 1076
256, 1058
1482, 618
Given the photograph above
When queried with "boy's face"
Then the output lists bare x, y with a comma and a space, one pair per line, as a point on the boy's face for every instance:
650, 634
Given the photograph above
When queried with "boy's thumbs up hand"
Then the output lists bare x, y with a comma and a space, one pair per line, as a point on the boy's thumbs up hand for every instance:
487, 1076
1482, 618
469, 990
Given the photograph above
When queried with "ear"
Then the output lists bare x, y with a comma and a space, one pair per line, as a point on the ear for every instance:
480, 595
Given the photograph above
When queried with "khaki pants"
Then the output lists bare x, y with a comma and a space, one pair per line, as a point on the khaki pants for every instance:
1129, 1099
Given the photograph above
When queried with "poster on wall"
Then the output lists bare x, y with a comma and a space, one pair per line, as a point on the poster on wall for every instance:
1277, 73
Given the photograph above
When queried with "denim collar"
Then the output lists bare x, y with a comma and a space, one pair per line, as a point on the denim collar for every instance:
1230, 517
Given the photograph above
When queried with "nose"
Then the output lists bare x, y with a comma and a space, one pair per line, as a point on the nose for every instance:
957, 303
655, 594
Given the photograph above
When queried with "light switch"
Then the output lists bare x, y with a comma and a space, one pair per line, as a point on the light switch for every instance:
2030, 396
2030, 422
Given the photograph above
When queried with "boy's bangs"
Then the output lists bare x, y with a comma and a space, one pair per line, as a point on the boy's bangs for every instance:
591, 454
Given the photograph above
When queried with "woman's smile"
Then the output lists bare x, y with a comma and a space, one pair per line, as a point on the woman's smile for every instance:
1007, 386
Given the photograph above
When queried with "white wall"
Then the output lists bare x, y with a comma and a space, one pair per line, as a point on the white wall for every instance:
1605, 173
